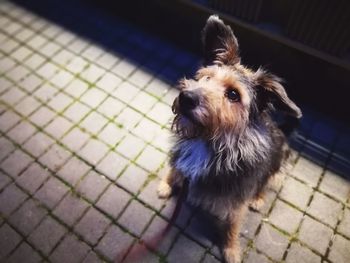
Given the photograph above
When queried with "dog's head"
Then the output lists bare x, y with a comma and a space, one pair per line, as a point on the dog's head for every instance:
224, 95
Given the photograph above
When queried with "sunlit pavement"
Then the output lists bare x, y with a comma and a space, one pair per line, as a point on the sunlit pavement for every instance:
84, 136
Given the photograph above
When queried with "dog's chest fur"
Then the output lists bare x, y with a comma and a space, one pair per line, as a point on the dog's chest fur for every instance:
193, 158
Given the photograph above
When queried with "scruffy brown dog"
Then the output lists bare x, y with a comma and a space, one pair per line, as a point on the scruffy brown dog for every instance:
227, 146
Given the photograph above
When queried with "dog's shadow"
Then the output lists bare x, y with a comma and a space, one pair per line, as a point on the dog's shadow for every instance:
201, 226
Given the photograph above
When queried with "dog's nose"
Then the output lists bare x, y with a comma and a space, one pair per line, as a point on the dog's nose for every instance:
188, 100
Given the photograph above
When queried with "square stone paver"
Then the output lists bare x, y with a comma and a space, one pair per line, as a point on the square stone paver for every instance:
310, 233
10, 199
47, 235
70, 250
30, 83
27, 106
73, 170
9, 239
76, 112
113, 200
300, 254
8, 120
15, 163
92, 226
143, 102
130, 146
6, 147
344, 226
21, 132
147, 130
107, 60
91, 257
124, 68
27, 217
93, 151
114, 243
111, 107
55, 157
149, 195
45, 93
70, 209
335, 185
140, 77
75, 139
251, 223
133, 178
12, 96
151, 159
340, 250
161, 113
24, 253
61, 79
185, 250
42, 116
109, 82
148, 256
135, 217
112, 134
51, 192
60, 102
307, 171
58, 127
158, 224
325, 209
38, 144
272, 242
296, 193
92, 73
4, 180
254, 257
285, 217
157, 88
128, 118
92, 185
112, 165
94, 122
32, 178
76, 88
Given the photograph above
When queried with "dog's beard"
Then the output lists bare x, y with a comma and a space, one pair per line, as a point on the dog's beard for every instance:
186, 126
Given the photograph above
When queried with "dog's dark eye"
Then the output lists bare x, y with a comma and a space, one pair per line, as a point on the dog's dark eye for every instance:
232, 95
207, 78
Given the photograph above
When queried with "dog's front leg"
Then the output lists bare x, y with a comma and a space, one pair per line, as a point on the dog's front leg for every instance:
171, 178
231, 250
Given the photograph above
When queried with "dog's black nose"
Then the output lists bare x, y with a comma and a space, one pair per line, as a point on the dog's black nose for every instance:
188, 100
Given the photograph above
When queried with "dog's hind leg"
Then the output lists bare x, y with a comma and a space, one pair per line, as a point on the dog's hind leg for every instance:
232, 251
171, 178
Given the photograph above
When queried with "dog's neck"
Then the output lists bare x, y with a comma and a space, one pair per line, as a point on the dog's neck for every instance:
227, 152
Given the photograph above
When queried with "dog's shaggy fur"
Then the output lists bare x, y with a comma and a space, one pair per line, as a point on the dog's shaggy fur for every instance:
227, 145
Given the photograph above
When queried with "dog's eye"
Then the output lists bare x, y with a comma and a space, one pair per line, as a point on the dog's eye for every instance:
207, 78
232, 95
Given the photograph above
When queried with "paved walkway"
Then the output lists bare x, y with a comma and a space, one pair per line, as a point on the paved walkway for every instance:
84, 134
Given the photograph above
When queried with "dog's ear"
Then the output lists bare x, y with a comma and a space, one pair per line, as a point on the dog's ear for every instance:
271, 91
219, 43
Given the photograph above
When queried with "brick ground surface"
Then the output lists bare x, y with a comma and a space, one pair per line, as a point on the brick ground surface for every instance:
84, 135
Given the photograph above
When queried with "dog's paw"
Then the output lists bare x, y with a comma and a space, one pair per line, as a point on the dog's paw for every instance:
232, 255
257, 204
164, 190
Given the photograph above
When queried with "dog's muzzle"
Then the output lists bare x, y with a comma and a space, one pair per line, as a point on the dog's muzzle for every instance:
188, 100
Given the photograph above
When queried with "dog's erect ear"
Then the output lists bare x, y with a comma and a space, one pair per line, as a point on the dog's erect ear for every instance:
219, 43
271, 91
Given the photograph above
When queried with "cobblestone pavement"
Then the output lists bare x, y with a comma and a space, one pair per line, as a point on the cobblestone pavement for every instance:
84, 134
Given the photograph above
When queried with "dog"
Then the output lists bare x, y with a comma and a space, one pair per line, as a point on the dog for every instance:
227, 145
